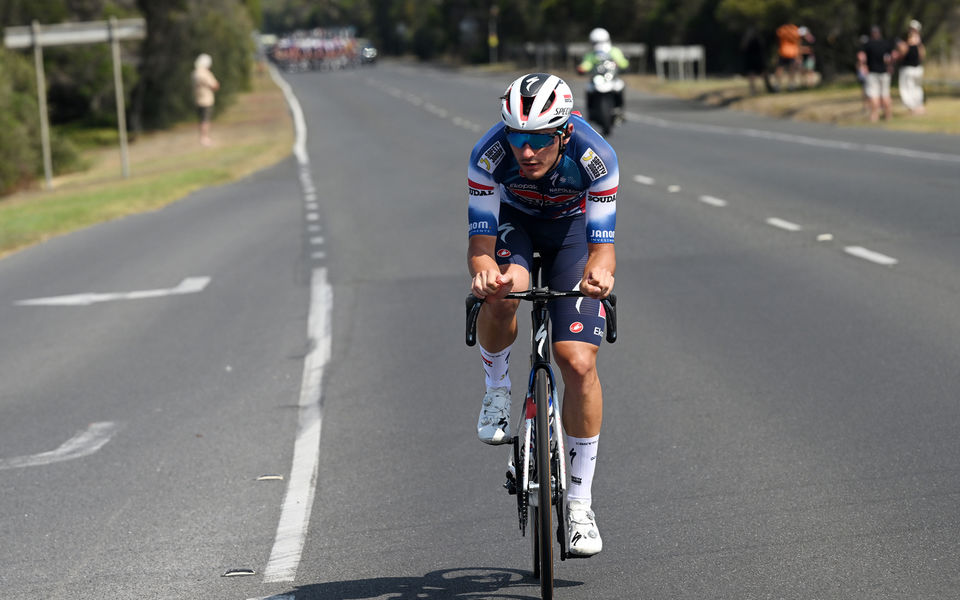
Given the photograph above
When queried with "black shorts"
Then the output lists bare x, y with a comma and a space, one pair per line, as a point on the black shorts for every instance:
562, 244
204, 112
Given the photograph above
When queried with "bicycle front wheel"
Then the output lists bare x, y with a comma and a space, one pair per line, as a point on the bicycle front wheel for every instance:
542, 517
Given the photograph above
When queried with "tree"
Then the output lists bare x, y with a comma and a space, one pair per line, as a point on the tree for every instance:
177, 32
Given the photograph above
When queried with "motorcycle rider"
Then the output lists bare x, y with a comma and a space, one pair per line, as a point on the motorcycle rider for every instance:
603, 49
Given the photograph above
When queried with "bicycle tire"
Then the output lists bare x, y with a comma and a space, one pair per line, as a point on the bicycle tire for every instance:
543, 519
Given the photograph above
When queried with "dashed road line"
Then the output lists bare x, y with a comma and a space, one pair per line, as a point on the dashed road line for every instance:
870, 255
644, 179
782, 224
713, 201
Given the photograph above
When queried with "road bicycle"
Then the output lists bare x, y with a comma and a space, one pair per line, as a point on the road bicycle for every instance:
538, 444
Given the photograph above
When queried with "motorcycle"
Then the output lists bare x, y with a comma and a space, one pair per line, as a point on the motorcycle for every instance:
605, 94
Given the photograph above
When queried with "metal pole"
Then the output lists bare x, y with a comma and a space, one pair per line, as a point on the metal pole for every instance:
121, 108
42, 101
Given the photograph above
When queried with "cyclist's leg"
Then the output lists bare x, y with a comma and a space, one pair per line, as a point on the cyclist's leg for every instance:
497, 323
497, 330
578, 326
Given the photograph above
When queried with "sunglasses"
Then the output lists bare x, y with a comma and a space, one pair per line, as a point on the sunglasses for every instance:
535, 140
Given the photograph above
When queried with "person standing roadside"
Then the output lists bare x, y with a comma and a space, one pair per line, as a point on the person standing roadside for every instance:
204, 86
876, 56
788, 54
912, 53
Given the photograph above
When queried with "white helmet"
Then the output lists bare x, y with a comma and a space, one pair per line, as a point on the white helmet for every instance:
599, 36
536, 101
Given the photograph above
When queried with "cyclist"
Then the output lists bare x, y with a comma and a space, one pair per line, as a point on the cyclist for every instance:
543, 180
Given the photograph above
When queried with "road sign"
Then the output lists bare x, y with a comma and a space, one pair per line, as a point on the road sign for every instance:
37, 36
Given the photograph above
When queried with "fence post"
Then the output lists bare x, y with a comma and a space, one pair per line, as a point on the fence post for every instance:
121, 105
42, 102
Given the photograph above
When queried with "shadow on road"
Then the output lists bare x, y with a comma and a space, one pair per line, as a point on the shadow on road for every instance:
445, 584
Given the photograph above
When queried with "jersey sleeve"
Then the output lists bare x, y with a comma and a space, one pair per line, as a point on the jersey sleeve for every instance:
484, 192
601, 209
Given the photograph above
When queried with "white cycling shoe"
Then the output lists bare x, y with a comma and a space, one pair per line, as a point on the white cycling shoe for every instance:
583, 537
493, 425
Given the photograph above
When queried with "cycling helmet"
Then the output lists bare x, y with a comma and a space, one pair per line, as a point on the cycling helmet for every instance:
599, 36
536, 101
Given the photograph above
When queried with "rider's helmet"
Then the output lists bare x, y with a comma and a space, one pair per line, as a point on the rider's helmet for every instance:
599, 36
536, 101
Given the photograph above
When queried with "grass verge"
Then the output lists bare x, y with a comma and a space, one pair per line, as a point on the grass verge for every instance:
253, 133
838, 103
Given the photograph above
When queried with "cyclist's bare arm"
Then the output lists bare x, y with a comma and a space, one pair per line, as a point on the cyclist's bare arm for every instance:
598, 275
487, 280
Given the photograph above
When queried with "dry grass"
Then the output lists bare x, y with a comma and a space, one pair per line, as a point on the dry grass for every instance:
254, 133
839, 104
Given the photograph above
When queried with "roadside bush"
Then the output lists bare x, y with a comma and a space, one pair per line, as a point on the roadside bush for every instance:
19, 122
21, 159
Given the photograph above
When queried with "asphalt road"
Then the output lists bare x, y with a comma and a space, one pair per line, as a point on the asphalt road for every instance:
781, 407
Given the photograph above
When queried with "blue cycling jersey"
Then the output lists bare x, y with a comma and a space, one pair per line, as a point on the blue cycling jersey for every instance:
584, 181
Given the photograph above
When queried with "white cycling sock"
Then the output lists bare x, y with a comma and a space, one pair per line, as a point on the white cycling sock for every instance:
582, 454
496, 367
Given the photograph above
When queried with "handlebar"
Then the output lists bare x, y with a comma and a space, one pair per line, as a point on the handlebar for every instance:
473, 305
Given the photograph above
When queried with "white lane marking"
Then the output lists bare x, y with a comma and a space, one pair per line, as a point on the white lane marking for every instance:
302, 481
277, 597
782, 224
83, 444
644, 179
874, 257
316, 241
712, 201
299, 123
825, 237
673, 189
298, 502
796, 139
190, 285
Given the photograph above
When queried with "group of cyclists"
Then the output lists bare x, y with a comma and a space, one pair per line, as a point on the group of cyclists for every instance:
320, 50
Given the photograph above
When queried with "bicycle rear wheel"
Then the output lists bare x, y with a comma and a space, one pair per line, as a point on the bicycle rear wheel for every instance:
542, 520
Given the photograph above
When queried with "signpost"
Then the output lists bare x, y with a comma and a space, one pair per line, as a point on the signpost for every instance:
91, 32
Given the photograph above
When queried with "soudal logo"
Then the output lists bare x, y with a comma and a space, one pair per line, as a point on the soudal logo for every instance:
610, 198
599, 234
503, 253
576, 327
476, 192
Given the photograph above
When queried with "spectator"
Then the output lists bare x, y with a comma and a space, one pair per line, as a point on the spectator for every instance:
875, 55
788, 36
204, 86
911, 54
754, 58
808, 58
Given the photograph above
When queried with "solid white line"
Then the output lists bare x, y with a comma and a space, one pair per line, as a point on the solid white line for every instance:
713, 201
83, 444
298, 502
277, 597
874, 257
795, 139
644, 179
299, 123
780, 223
